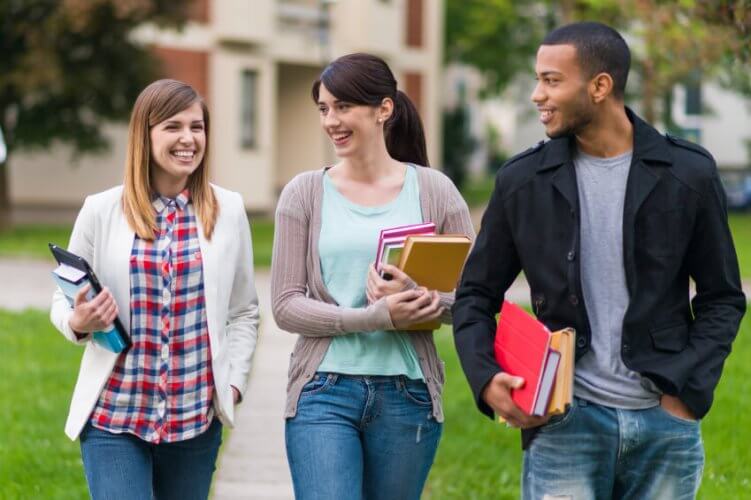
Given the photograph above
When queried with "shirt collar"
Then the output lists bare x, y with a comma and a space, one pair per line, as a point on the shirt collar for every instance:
161, 202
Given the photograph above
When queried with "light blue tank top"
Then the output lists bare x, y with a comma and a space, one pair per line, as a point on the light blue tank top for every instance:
347, 246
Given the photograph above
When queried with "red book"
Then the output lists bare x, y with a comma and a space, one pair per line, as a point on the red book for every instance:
522, 349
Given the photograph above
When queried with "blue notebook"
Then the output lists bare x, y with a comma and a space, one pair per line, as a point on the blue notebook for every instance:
71, 280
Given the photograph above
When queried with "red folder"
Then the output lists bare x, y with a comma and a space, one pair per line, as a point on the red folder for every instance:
522, 349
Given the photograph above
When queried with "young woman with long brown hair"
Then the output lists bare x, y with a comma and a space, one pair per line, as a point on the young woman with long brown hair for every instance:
363, 412
174, 253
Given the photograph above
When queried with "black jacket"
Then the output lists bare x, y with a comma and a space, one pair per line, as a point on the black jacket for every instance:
674, 228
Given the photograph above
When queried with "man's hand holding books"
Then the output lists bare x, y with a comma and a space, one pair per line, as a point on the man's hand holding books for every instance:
497, 394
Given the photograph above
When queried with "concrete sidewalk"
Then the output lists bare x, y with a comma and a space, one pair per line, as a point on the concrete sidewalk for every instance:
253, 462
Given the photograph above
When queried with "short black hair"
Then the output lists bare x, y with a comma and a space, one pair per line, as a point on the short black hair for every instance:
599, 49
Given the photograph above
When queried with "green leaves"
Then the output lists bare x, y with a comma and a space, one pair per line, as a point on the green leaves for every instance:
70, 66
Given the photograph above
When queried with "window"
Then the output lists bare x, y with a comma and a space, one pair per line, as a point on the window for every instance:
248, 109
692, 85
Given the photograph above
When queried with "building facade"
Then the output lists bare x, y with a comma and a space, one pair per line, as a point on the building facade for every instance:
254, 61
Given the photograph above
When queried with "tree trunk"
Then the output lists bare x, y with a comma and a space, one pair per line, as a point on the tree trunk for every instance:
648, 93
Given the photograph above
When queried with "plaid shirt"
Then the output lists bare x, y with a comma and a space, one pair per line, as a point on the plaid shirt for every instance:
161, 388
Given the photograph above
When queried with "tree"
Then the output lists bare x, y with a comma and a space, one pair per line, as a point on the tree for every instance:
68, 67
498, 37
458, 143
669, 40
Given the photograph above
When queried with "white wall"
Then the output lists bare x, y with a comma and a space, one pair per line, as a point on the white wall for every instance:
248, 171
301, 144
725, 126
54, 178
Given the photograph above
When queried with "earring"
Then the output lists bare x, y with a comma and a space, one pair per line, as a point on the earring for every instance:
380, 120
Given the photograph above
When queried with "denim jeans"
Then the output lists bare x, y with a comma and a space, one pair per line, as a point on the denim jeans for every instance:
361, 437
594, 452
122, 466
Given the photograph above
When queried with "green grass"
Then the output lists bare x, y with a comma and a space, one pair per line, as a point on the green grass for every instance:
740, 225
30, 241
476, 191
37, 460
478, 459
263, 241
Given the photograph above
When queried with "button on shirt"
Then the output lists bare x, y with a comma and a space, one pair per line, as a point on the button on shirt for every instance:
161, 389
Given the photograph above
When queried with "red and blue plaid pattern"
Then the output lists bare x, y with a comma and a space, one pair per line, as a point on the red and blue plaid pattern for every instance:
161, 389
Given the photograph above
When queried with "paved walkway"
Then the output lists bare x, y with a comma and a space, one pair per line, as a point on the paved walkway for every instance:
253, 462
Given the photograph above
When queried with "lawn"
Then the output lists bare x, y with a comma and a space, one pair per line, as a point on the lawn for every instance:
30, 241
478, 459
740, 224
39, 369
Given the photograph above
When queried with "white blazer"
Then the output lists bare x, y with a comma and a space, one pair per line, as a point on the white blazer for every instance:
102, 236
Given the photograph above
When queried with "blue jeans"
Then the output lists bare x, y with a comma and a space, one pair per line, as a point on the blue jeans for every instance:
122, 466
594, 452
361, 437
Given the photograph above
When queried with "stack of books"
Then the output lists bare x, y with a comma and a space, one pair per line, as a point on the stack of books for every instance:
524, 347
71, 275
391, 241
434, 261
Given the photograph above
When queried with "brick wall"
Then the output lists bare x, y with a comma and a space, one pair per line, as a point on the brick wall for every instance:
413, 88
414, 26
189, 66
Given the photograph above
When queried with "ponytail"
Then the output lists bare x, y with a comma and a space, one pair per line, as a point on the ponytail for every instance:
405, 135
367, 79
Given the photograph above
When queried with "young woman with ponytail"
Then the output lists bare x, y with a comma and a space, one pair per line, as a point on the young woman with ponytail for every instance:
363, 413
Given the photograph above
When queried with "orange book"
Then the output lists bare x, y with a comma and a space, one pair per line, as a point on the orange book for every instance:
435, 262
563, 341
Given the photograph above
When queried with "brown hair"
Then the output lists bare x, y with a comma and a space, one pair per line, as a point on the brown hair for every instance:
156, 103
366, 79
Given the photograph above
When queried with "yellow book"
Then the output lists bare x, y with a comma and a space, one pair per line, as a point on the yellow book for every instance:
435, 262
563, 341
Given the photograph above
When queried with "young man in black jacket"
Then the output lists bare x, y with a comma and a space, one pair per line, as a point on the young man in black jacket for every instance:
608, 220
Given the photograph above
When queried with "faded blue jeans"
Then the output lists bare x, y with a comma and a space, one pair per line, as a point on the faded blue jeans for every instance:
123, 466
594, 452
361, 437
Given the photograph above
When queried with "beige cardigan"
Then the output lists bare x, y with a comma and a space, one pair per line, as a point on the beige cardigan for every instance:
302, 305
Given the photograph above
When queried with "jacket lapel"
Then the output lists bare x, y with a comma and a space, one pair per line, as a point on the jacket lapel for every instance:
564, 181
210, 278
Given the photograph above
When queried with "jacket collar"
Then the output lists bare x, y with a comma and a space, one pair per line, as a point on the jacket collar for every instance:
649, 145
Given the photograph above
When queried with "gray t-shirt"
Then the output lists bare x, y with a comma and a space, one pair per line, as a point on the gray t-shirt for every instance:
601, 376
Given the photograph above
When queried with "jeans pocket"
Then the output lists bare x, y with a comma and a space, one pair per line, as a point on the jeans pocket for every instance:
676, 418
557, 421
416, 391
319, 383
